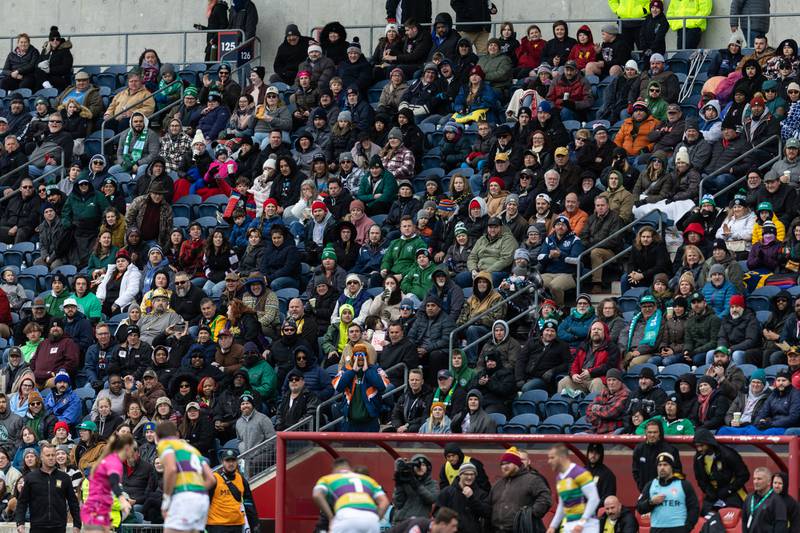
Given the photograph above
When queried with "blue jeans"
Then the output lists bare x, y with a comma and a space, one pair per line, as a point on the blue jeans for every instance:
534, 384
568, 114
749, 430
35, 172
214, 289
476, 183
464, 279
666, 360
284, 283
474, 333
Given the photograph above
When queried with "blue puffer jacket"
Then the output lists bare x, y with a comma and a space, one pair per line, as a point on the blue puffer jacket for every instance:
782, 408
719, 298
487, 99
67, 407
369, 258
214, 122
238, 237
575, 328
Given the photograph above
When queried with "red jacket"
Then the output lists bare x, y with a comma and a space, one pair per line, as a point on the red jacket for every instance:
583, 53
5, 309
52, 356
529, 53
191, 257
606, 357
580, 92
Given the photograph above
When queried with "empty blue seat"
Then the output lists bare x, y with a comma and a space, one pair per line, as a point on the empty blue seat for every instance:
521, 424
207, 222
499, 419
554, 424
529, 402
182, 210
747, 369
557, 404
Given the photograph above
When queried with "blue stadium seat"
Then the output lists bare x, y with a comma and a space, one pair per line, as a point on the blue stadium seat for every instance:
29, 282
529, 402
747, 369
182, 210
207, 222
522, 424
557, 404
758, 302
763, 315
581, 405
208, 210
180, 221
499, 419
375, 91
773, 370
554, 424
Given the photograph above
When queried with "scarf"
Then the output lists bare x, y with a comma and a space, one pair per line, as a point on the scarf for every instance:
748, 411
132, 148
448, 398
702, 412
651, 329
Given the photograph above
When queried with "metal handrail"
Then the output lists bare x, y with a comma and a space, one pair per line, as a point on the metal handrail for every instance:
137, 104
35, 180
738, 182
580, 277
337, 397
126, 35
468, 323
738, 158
486, 336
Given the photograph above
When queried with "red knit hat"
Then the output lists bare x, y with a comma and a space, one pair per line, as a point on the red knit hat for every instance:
513, 456
477, 70
318, 204
61, 424
738, 300
270, 201
498, 180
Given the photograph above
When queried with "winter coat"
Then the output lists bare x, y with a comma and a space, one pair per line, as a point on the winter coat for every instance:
493, 255
606, 413
135, 216
497, 69
414, 498
701, 332
129, 288
718, 298
412, 409
570, 247
638, 142
526, 488
431, 333
537, 360
743, 333
644, 460
471, 511
727, 474
781, 409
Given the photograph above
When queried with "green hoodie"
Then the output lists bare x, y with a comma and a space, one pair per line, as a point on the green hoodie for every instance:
463, 375
681, 426
418, 280
401, 256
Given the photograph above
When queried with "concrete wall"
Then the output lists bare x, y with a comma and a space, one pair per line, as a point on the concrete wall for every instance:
111, 16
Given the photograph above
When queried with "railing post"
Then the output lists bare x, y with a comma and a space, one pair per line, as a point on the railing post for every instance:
794, 467
280, 490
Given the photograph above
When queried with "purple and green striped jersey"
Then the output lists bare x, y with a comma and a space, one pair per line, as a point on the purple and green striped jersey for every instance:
350, 490
569, 487
189, 463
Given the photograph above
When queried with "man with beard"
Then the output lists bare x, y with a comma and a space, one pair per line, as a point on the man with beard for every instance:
554, 188
76, 325
62, 401
160, 318
399, 350
593, 359
542, 358
604, 477
720, 472
132, 357
730, 378
430, 333
606, 413
298, 404
518, 487
185, 299
646, 454
54, 353
649, 398
307, 328
138, 146
465, 497
740, 333
669, 498
115, 393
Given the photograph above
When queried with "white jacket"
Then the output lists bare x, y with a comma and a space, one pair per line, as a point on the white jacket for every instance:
741, 229
129, 288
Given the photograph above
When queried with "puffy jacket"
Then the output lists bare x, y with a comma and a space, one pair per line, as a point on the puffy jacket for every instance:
493, 255
574, 329
636, 143
474, 305
719, 297
526, 488
24, 64
630, 9
782, 409
66, 407
283, 261
724, 152
498, 70
386, 186
701, 332
486, 99
431, 333
688, 8
537, 360
579, 89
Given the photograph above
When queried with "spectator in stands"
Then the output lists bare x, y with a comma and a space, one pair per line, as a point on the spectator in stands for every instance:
571, 95
771, 513
600, 226
592, 361
747, 403
413, 407
654, 30
617, 518
252, 427
56, 352
648, 258
558, 257
574, 329
712, 404
542, 358
214, 118
557, 50
20, 65
726, 60
789, 163
474, 419
643, 123
645, 455
780, 411
740, 333
20, 215
84, 93
430, 333
450, 394
720, 472
135, 99
649, 398
606, 412
361, 415
291, 52
297, 404
444, 38
520, 486
645, 334
669, 497
472, 19
54, 64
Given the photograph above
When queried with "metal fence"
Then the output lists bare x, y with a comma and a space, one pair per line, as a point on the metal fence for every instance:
260, 459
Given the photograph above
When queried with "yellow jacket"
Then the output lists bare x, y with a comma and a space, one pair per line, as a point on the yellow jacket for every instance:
780, 230
688, 8
116, 514
124, 99
630, 9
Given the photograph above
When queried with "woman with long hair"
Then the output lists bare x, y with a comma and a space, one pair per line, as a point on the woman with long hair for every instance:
105, 483
387, 304
243, 322
218, 259
649, 257
102, 255
105, 419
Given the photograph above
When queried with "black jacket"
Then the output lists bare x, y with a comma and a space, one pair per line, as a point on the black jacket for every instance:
561, 48
650, 402
21, 212
188, 306
728, 473
471, 11
412, 409
303, 406
770, 517
403, 352
139, 479
471, 511
288, 57
47, 498
539, 361
625, 524
645, 456
418, 10
200, 435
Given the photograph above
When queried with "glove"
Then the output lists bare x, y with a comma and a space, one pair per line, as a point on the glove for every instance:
638, 203
97, 385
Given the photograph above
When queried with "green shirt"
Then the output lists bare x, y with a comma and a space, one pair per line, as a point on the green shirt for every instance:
681, 426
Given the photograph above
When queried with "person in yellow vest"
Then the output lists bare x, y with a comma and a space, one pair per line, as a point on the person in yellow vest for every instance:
453, 459
631, 14
231, 507
116, 510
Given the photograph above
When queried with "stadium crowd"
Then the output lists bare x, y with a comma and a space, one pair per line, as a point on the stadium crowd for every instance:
365, 204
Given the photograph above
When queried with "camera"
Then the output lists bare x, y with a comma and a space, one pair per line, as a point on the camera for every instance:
403, 471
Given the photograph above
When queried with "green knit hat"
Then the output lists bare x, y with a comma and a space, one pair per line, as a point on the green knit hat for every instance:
190, 91
329, 253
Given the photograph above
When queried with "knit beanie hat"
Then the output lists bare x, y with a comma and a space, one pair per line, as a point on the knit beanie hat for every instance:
513, 456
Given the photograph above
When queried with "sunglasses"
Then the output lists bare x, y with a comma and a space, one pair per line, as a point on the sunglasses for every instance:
295, 378
272, 96
181, 282
655, 90
289, 329
54, 122
35, 403
301, 358
405, 308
